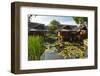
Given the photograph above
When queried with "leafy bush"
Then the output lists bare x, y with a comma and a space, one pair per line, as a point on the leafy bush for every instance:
35, 47
72, 51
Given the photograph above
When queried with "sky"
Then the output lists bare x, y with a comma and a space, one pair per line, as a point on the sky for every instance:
47, 19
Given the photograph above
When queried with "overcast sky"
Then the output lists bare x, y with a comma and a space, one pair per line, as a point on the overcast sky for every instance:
47, 19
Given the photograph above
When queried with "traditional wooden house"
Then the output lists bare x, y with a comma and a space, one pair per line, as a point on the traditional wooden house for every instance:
71, 33
36, 29
65, 32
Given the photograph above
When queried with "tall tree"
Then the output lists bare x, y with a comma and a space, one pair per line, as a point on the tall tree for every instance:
53, 25
80, 20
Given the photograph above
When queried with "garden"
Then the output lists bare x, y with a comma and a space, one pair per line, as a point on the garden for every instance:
52, 45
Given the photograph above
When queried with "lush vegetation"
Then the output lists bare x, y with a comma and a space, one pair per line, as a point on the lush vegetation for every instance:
80, 20
67, 49
72, 50
35, 47
53, 25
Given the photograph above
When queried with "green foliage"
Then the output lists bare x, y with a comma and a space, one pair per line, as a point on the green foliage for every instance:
71, 50
54, 22
35, 47
80, 20
51, 35
53, 25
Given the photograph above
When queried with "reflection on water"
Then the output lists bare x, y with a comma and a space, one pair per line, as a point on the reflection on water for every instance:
50, 53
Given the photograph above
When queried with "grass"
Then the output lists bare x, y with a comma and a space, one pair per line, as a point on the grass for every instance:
35, 47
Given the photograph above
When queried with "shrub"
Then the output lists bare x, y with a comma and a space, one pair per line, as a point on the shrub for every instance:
72, 51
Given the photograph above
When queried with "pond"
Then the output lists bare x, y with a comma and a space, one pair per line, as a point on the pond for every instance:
50, 53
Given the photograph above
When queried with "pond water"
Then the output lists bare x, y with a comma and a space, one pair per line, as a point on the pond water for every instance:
50, 53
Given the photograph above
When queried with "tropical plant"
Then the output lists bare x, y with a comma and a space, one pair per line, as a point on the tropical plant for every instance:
35, 47
80, 20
